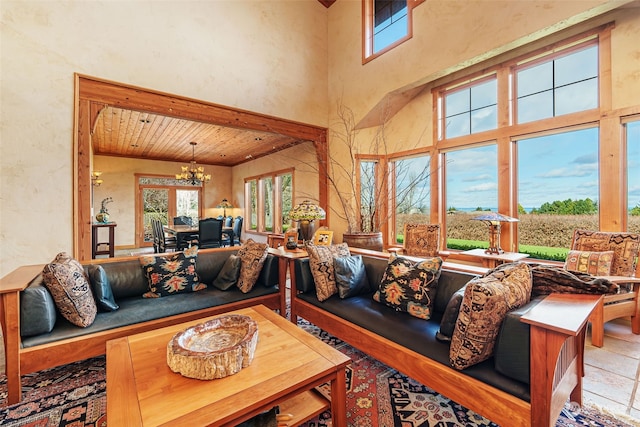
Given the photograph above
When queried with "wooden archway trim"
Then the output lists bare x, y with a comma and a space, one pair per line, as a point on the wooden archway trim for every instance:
93, 94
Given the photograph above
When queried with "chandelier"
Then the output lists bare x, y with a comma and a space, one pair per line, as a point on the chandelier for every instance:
193, 174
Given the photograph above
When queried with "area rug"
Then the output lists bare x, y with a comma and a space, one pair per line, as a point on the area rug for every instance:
74, 395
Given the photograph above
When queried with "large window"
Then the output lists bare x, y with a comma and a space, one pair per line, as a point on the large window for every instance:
632, 134
543, 112
471, 188
557, 190
269, 199
471, 109
411, 185
561, 85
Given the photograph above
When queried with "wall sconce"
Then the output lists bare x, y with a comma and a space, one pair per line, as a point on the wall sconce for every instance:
95, 178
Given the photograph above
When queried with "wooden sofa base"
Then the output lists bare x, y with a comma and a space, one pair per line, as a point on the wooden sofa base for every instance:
556, 363
20, 361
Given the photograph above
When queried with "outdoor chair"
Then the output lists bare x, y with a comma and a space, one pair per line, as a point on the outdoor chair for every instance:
420, 240
587, 249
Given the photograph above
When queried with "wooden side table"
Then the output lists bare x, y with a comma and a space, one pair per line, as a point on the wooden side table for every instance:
493, 260
95, 244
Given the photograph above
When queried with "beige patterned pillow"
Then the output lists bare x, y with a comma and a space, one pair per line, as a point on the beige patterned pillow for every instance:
66, 280
484, 306
321, 264
593, 263
252, 256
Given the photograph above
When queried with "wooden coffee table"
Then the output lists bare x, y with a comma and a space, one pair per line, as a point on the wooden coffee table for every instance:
288, 364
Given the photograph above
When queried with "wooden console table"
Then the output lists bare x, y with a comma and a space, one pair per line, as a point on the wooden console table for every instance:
95, 227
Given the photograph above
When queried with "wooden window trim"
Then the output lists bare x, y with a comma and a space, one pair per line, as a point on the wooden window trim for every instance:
368, 27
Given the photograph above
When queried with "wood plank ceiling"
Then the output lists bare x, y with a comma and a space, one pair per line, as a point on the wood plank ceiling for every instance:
126, 133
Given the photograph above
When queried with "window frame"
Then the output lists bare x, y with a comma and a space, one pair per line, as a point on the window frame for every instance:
276, 176
368, 29
607, 120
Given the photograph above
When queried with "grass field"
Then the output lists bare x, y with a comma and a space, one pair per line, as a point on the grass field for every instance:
541, 236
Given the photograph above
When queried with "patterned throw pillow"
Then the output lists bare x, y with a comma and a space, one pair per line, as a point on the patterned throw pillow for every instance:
484, 306
66, 280
625, 247
173, 274
322, 269
410, 285
252, 256
593, 263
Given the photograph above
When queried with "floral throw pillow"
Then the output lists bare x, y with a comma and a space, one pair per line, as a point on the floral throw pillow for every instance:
593, 263
64, 277
252, 256
410, 286
322, 268
171, 275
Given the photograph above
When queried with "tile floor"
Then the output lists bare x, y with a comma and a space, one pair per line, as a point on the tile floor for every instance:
612, 380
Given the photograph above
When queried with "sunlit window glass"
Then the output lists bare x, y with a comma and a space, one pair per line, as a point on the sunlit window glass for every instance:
566, 84
412, 191
390, 23
253, 197
471, 188
286, 190
557, 191
472, 109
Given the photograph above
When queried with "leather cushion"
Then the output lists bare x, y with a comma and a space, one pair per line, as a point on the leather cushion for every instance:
409, 285
485, 304
171, 275
37, 310
101, 288
252, 256
450, 316
229, 273
351, 276
64, 277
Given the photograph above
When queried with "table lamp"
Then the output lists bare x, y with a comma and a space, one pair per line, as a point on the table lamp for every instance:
493, 220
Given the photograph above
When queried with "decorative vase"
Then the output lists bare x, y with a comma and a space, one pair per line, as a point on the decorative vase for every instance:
102, 217
372, 241
307, 229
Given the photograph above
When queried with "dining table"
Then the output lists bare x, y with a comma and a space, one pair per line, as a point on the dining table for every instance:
184, 233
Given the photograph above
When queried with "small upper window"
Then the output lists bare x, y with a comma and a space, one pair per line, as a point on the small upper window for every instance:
385, 25
563, 85
390, 23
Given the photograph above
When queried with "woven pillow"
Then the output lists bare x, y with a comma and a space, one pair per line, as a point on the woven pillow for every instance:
322, 269
484, 306
410, 286
64, 277
252, 256
625, 246
593, 263
172, 275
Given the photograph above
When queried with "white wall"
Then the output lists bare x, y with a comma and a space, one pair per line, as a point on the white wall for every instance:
259, 55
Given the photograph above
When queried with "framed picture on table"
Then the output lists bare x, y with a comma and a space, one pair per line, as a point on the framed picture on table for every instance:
291, 240
323, 237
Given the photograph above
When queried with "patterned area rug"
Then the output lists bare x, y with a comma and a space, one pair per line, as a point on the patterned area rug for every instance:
74, 395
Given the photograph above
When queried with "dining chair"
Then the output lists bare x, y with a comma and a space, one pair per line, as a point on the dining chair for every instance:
624, 271
228, 221
164, 242
237, 230
182, 220
210, 235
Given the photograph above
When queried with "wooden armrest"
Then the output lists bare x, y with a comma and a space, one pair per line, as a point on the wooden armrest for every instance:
19, 278
564, 313
621, 279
